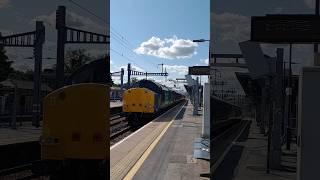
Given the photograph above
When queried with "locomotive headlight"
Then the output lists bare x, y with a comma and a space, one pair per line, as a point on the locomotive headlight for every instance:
147, 105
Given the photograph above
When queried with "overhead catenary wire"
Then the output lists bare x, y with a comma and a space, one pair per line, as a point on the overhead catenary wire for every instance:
90, 12
123, 56
116, 33
118, 37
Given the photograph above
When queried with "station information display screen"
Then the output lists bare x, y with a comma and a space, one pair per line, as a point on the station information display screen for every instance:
285, 28
199, 70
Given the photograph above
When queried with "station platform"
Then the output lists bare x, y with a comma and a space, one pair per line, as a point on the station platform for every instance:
19, 146
247, 159
24, 133
162, 149
27, 132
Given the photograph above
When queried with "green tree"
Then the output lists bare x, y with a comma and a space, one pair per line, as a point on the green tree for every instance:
134, 80
5, 65
20, 75
75, 59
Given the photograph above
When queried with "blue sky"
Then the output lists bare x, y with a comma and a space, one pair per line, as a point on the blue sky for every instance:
150, 32
174, 23
18, 16
135, 22
230, 24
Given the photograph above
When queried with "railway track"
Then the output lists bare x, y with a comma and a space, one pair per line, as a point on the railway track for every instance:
23, 172
119, 128
117, 119
223, 141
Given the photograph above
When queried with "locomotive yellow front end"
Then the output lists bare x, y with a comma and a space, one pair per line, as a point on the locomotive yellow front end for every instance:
75, 123
139, 100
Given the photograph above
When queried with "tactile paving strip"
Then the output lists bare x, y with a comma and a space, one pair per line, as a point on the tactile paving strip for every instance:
149, 133
124, 165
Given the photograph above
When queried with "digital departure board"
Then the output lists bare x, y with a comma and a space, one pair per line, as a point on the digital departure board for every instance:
285, 28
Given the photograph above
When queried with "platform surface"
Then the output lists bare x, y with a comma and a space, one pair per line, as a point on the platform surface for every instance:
251, 153
24, 133
173, 156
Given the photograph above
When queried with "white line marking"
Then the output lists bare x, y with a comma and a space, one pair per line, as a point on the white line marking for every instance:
217, 164
135, 168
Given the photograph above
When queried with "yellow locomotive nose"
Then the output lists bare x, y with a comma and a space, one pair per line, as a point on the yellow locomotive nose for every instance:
75, 123
139, 100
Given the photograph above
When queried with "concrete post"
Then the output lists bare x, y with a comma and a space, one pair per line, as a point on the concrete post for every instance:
288, 102
14, 107
196, 97
129, 74
2, 106
37, 73
121, 81
277, 112
264, 111
61, 39
206, 111
198, 93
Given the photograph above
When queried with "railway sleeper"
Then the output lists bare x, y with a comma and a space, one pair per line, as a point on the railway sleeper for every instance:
72, 169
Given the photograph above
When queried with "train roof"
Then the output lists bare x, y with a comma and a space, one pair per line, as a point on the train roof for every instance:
96, 71
156, 87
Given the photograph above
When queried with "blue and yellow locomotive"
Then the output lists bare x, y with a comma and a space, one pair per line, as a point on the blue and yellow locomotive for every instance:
146, 99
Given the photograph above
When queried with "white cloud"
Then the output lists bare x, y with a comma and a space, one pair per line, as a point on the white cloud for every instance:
176, 69
161, 80
205, 61
18, 56
4, 3
278, 10
310, 3
301, 53
171, 84
172, 48
72, 20
5, 32
231, 27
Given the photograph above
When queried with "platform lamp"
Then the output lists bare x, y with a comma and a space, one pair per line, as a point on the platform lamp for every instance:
200, 41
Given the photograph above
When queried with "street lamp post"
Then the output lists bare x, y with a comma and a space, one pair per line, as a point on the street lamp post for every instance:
199, 41
197, 90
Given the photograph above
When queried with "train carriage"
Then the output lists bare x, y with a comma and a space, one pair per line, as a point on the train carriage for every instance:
75, 136
146, 99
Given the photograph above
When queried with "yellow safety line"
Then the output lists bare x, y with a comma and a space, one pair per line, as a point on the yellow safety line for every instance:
145, 155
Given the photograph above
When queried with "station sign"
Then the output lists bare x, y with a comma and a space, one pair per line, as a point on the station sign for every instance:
199, 70
285, 28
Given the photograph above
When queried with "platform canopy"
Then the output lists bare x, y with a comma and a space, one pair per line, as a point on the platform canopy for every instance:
250, 86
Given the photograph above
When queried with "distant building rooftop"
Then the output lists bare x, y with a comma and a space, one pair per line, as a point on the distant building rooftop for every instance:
21, 84
117, 88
